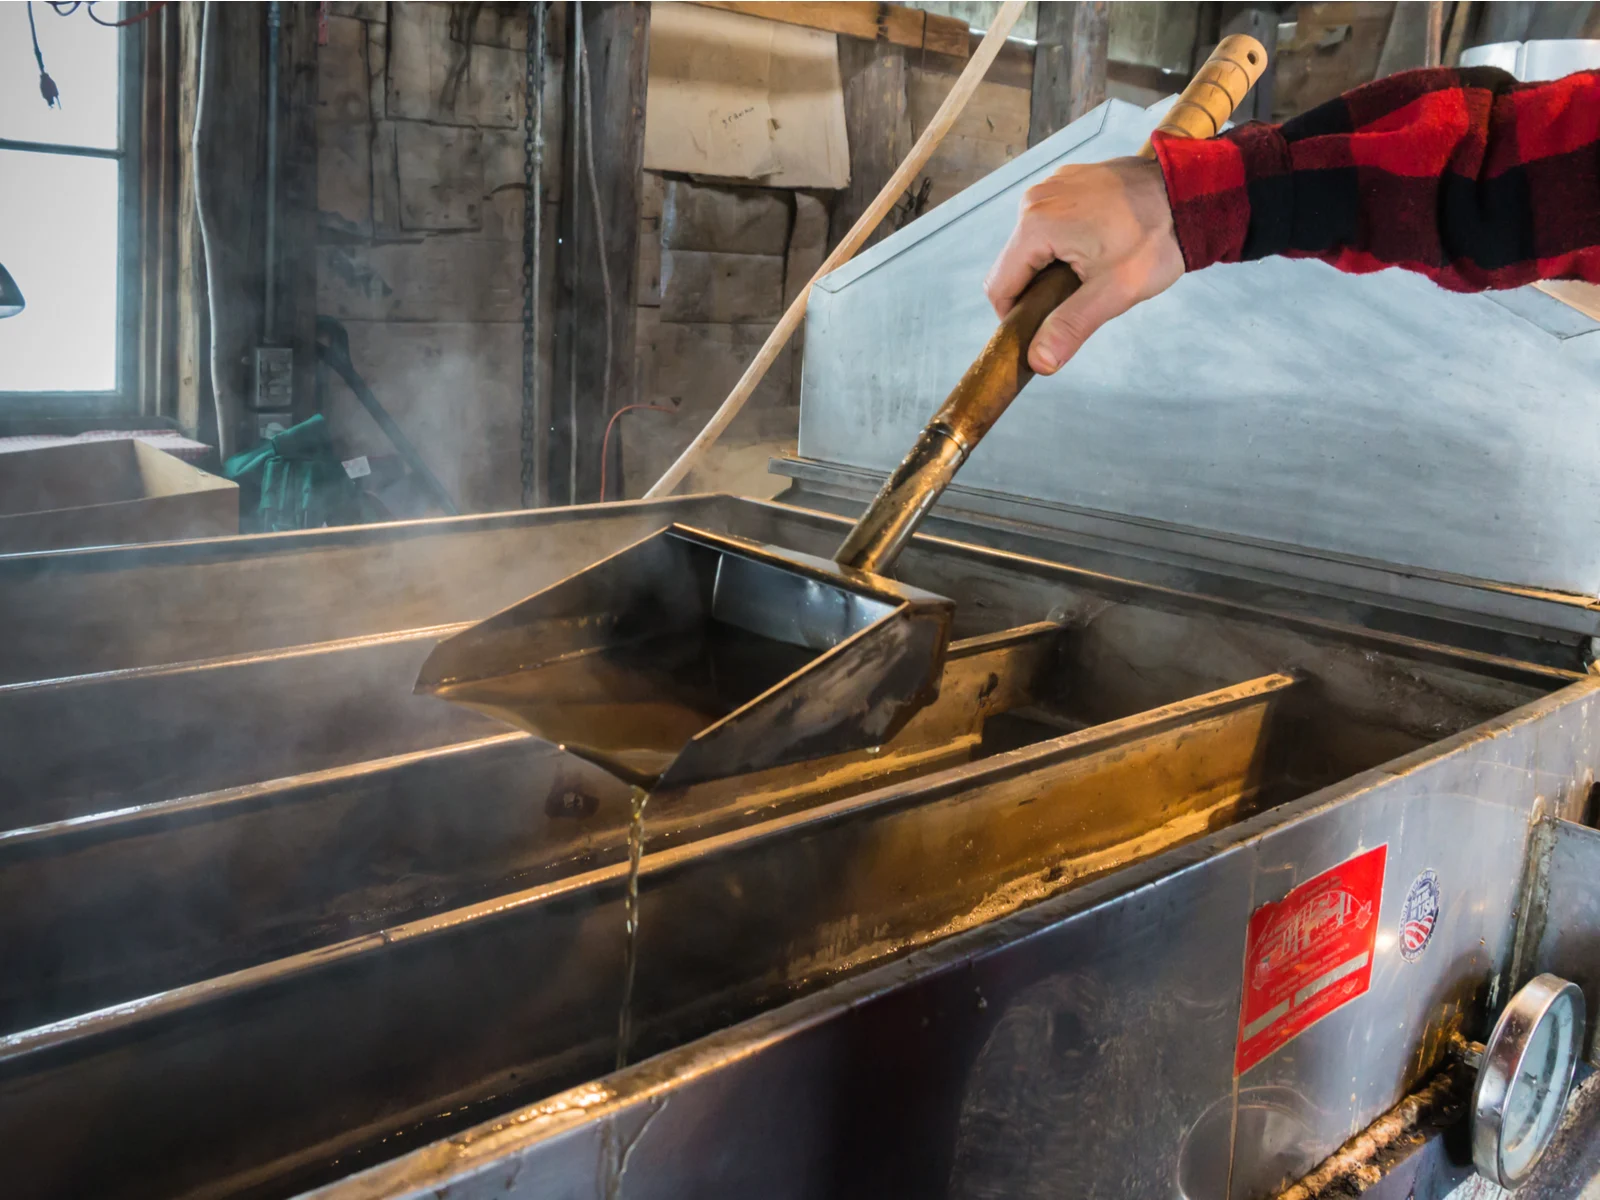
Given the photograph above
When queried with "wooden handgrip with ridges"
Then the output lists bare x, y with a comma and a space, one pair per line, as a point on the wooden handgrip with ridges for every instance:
1001, 370
1217, 88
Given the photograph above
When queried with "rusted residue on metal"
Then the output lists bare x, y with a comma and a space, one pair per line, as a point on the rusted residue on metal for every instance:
1361, 1162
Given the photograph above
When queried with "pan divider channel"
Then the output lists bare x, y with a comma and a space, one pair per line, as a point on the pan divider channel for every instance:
354, 1050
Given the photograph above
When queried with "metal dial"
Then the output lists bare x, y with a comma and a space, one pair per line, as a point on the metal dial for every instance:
1526, 1073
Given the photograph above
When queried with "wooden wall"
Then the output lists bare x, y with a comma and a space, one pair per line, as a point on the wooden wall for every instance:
719, 263
420, 199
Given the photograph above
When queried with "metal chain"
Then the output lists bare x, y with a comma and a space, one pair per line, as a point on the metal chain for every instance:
532, 204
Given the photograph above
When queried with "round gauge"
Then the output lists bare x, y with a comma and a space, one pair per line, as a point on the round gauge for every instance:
1523, 1082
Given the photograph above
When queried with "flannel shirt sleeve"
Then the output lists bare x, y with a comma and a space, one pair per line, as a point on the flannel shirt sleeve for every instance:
1465, 176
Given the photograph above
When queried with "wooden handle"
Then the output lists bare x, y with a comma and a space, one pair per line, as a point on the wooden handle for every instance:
1218, 88
1001, 370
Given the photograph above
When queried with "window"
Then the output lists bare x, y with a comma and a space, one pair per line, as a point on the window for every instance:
67, 219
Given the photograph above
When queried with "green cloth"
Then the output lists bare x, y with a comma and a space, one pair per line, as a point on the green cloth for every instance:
295, 481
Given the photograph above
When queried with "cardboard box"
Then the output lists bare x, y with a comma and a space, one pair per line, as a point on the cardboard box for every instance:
106, 494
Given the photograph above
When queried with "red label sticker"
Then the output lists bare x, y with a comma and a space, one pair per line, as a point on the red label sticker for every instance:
1308, 954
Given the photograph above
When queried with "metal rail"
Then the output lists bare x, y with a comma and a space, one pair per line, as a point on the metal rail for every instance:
104, 907
362, 1046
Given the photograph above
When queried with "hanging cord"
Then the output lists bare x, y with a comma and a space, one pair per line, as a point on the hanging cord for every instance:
599, 235
208, 236
65, 8
47, 86
605, 442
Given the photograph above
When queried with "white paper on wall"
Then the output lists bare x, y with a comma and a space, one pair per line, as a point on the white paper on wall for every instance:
743, 97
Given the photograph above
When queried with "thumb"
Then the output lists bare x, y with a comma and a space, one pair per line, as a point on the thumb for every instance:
1067, 328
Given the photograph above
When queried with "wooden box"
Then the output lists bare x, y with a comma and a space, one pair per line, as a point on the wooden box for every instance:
108, 493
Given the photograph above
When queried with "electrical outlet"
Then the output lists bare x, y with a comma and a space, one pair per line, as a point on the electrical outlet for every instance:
274, 382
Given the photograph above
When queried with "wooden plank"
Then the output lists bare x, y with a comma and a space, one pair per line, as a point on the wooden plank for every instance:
433, 77
441, 278
344, 180
1260, 23
342, 86
652, 195
732, 220
362, 10
1013, 66
961, 161
1338, 46
707, 286
878, 124
1069, 71
892, 23
616, 37
441, 175
808, 246
231, 151
344, 131
455, 389
648, 289
693, 366
996, 112
156, 311
195, 415
1160, 34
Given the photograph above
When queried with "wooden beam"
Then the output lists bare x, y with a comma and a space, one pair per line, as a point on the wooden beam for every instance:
1261, 23
877, 122
1069, 64
616, 40
159, 155
892, 23
297, 200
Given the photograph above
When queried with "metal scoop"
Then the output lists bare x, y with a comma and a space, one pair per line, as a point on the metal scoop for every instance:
692, 656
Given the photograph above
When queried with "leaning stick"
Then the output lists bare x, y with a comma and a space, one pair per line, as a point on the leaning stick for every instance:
898, 183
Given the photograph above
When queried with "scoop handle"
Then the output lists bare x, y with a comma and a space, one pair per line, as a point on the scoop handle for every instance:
1001, 370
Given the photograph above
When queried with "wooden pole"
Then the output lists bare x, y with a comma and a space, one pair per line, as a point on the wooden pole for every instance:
971, 76
1069, 64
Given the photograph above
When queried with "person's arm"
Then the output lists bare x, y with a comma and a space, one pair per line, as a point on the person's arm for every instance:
1462, 175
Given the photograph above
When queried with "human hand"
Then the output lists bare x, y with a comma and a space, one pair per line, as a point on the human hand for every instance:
1112, 224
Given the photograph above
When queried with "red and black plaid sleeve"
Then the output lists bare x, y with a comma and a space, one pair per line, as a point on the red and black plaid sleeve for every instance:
1465, 176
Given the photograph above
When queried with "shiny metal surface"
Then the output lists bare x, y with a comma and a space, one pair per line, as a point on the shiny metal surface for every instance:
691, 656
1427, 429
248, 1082
979, 399
92, 743
906, 497
1524, 1078
81, 612
1082, 1045
100, 908
1537, 626
1562, 933
251, 1084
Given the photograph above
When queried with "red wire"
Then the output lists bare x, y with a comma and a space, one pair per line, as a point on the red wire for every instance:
133, 20
605, 442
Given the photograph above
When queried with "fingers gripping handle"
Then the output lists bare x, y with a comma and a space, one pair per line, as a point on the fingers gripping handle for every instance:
1001, 370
